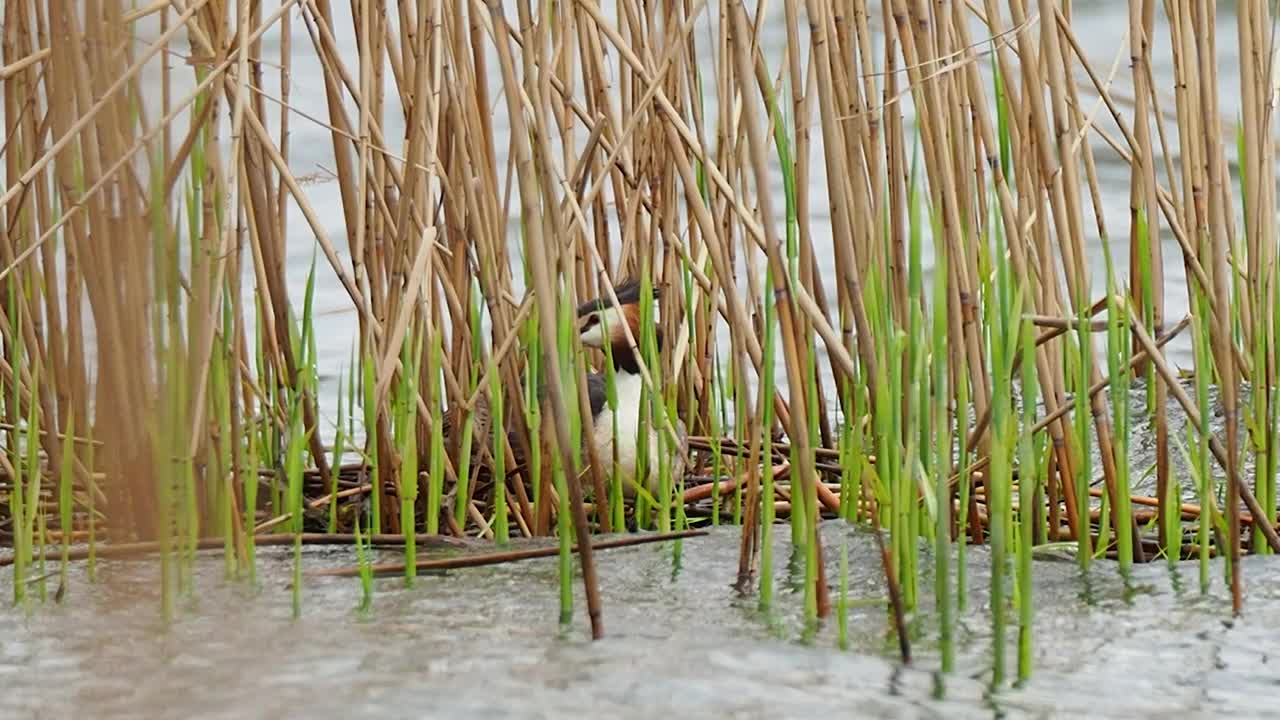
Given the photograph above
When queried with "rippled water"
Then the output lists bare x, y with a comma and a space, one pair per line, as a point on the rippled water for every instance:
484, 642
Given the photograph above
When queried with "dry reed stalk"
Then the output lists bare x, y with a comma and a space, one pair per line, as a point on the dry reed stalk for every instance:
851, 238
1059, 187
749, 546
1217, 234
1060, 432
128, 550
544, 298
782, 289
684, 135
118, 315
919, 54
1142, 201
1258, 200
1225, 459
1177, 215
1063, 461
497, 558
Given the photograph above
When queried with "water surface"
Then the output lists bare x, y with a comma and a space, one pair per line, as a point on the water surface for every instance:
485, 642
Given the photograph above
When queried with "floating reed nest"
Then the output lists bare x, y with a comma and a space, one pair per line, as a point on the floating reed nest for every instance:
482, 444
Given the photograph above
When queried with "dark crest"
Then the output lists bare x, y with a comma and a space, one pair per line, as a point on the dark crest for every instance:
628, 294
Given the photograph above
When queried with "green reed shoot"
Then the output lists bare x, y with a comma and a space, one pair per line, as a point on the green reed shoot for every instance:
692, 410
767, 388
666, 459
339, 447
1002, 340
32, 466
307, 381
501, 523
264, 429
293, 477
809, 506
617, 507
65, 497
165, 482
1117, 354
366, 569
862, 444
716, 422
406, 437
1261, 421
997, 503
1082, 429
896, 487
663, 408
1205, 486
227, 446
1004, 137
848, 498
166, 331
1146, 291
21, 543
695, 403
368, 387
651, 409
250, 475
1268, 489
91, 505
533, 408
566, 334
462, 493
1028, 485
941, 468
300, 434
800, 511
189, 516
436, 394
739, 397
42, 543
914, 478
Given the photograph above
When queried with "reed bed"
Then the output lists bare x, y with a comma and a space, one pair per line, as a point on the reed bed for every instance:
936, 361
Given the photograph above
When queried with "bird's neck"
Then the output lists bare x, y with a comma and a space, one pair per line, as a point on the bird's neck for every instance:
626, 360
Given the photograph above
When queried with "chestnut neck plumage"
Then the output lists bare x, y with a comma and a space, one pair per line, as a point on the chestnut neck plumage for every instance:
625, 360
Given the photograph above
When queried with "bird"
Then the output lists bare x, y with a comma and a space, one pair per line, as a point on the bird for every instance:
600, 325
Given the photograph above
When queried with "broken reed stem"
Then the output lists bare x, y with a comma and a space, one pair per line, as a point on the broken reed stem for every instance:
123, 551
497, 558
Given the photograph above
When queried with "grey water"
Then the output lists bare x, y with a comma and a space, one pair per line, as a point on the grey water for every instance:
681, 641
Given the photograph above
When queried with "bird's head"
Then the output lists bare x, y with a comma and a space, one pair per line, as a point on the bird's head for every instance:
600, 321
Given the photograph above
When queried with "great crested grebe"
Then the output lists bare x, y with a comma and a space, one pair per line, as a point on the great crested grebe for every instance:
600, 324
